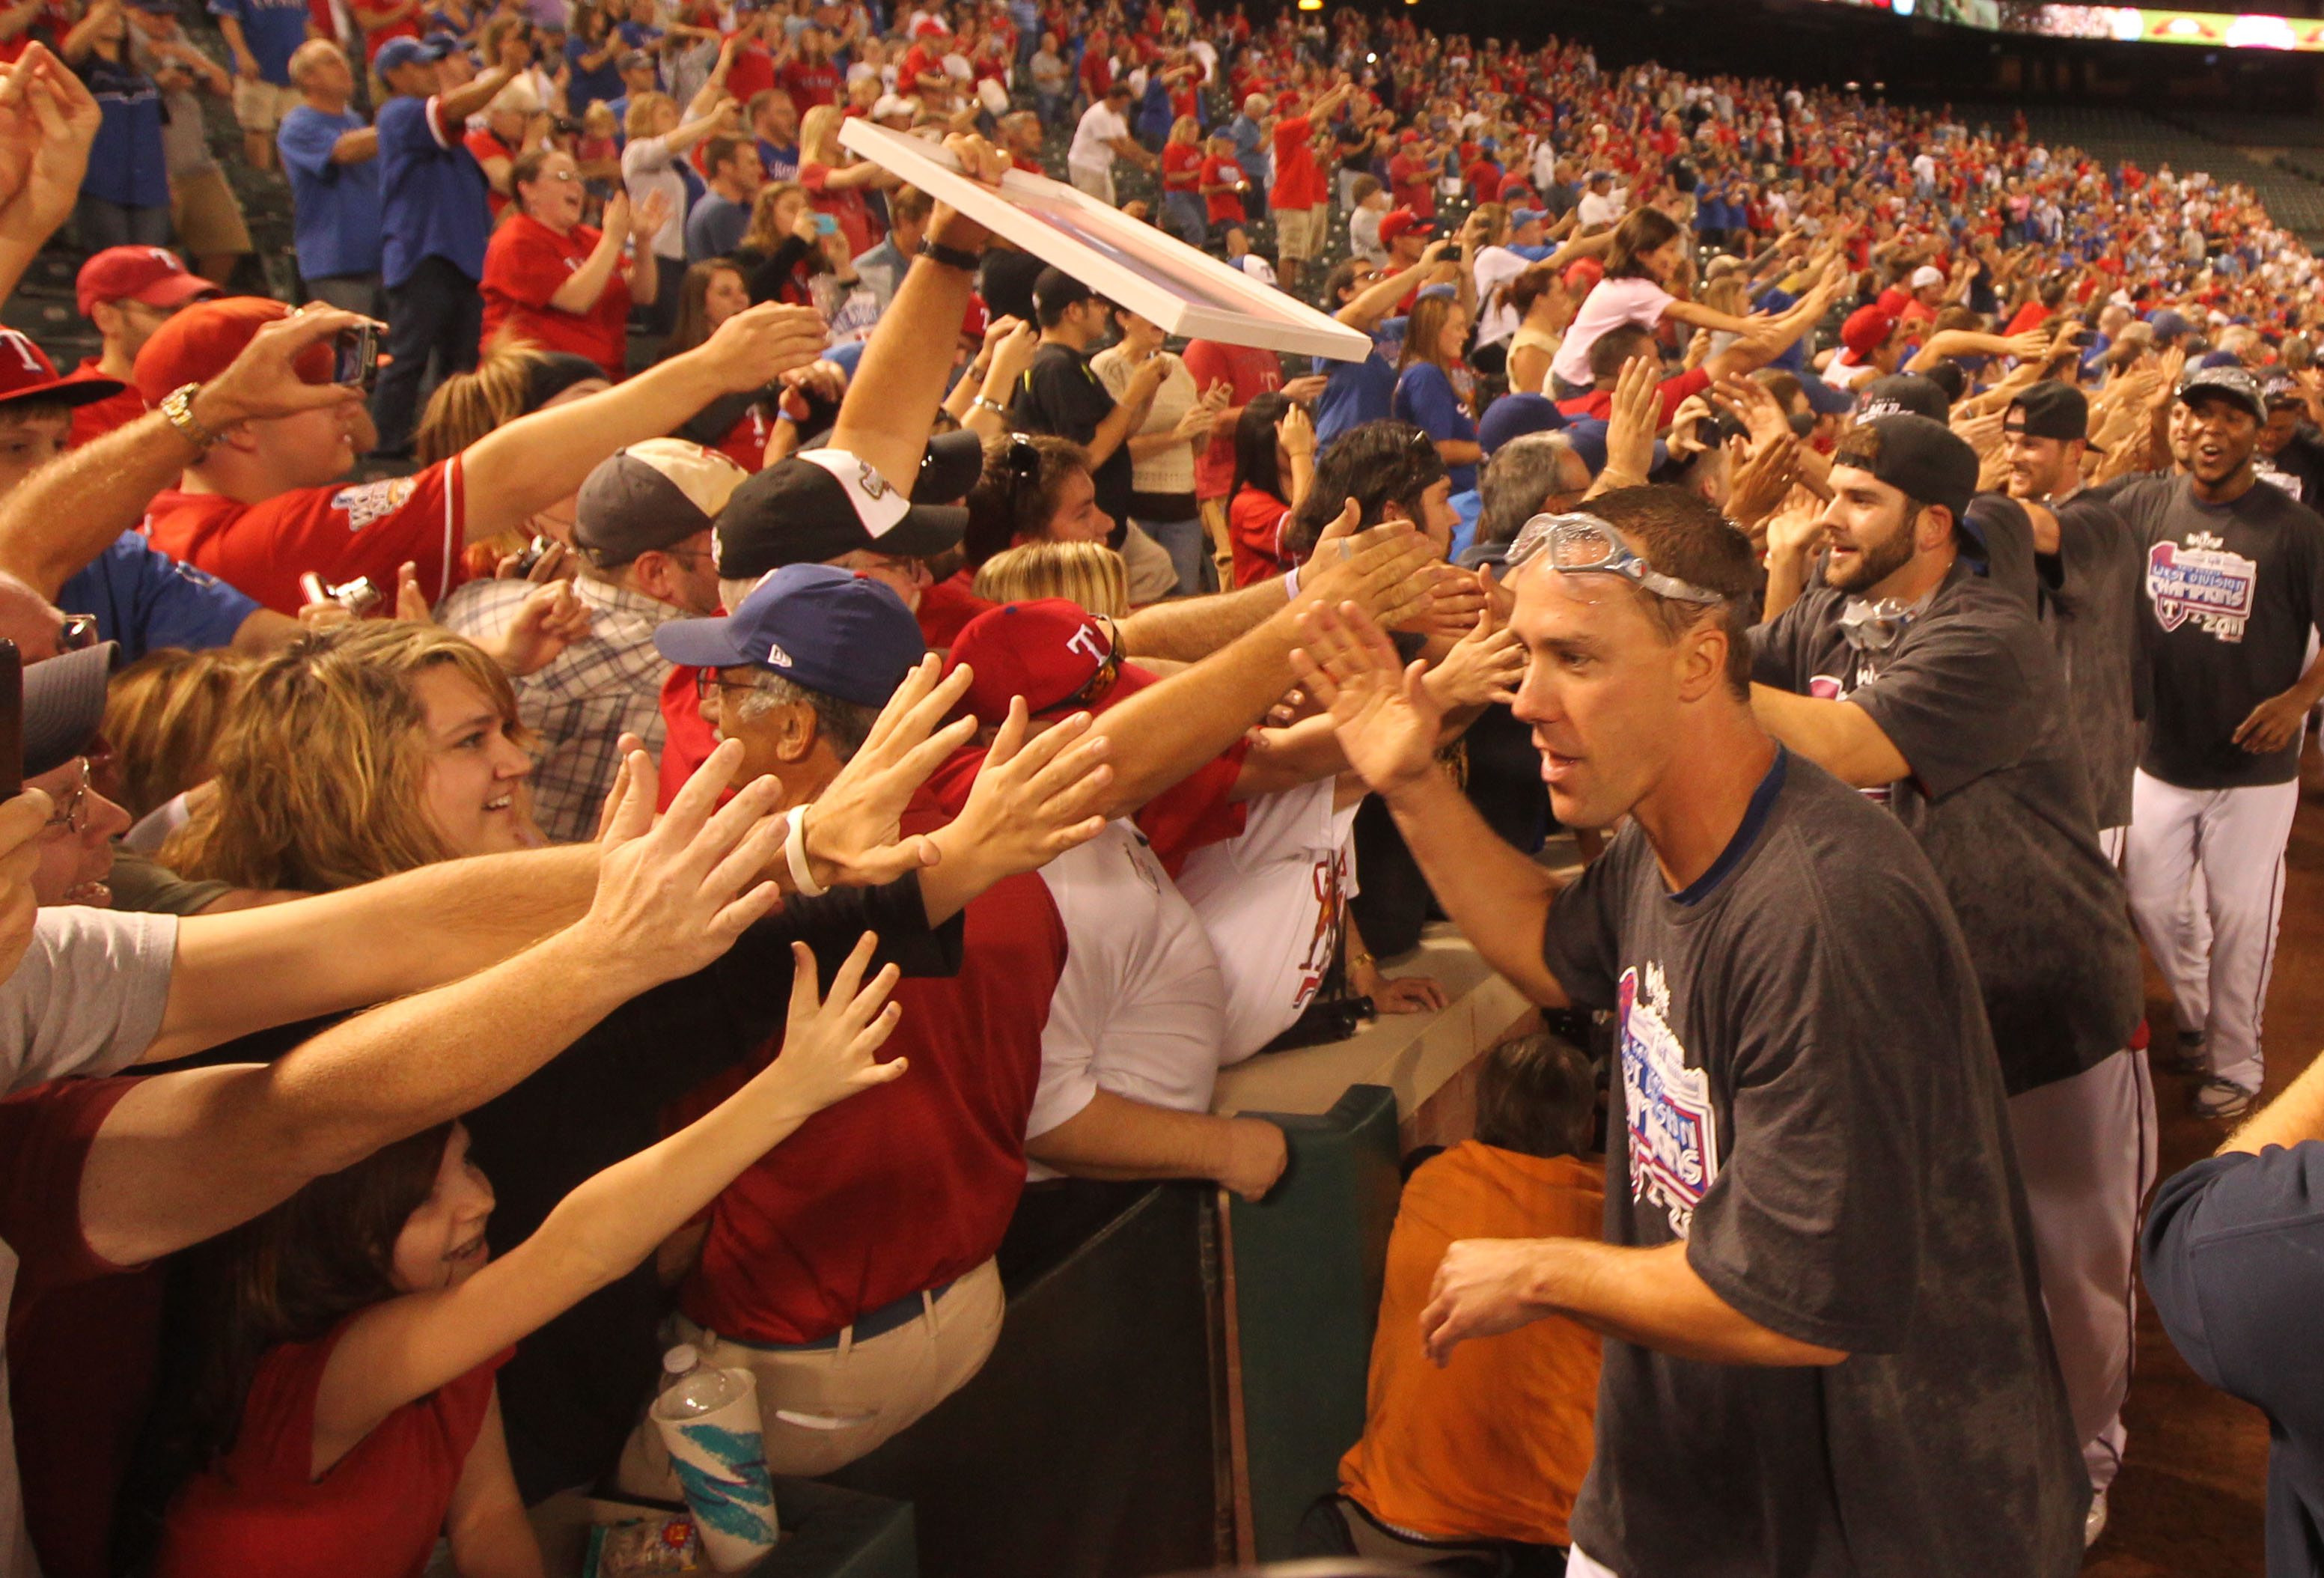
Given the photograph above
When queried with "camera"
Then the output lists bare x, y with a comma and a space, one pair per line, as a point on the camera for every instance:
355, 357
358, 596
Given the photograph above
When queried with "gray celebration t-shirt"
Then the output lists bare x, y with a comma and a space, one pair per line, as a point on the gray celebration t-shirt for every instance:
1807, 1095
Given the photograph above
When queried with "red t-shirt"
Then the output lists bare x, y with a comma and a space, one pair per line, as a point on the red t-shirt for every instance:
844, 204
2032, 315
1255, 523
83, 1333
1484, 178
1600, 403
810, 83
745, 443
1298, 184
378, 1510
751, 72
374, 42
1182, 167
920, 61
93, 421
910, 1185
525, 265
365, 528
482, 145
947, 606
1221, 207
1248, 372
688, 738
1412, 184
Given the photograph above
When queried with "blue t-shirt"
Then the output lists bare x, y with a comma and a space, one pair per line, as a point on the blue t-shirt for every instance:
1424, 398
272, 28
585, 87
779, 163
144, 599
433, 196
1354, 394
124, 162
334, 207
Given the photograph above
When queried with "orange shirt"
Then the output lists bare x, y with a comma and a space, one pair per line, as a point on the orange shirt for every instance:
1494, 1444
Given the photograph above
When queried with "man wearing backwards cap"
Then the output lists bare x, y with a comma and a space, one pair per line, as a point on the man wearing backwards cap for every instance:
257, 504
127, 292
850, 1269
2090, 597
1870, 340
1932, 689
642, 529
435, 218
2233, 582
1814, 1344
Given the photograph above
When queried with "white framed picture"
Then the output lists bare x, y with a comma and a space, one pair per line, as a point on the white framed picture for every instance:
1184, 290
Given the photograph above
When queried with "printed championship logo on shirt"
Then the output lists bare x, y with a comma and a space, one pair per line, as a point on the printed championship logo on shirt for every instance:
1674, 1132
2201, 581
369, 502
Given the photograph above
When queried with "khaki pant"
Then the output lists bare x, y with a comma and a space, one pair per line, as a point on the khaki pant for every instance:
1097, 183
204, 214
843, 1401
1299, 233
259, 106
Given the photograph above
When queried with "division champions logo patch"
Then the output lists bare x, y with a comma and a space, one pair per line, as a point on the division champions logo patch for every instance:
2201, 581
1674, 1130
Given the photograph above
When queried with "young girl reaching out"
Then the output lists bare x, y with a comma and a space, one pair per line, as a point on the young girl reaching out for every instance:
1649, 252
333, 1406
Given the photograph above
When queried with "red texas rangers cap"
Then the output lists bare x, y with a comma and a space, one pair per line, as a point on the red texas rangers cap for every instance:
1398, 222
149, 274
1053, 652
27, 376
202, 342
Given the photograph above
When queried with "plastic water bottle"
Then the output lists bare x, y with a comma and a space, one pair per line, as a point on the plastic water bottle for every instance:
691, 1389
708, 1419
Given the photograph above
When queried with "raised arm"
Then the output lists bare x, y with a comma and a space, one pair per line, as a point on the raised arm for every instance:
893, 400
48, 120
185, 1156
405, 1348
1388, 723
512, 471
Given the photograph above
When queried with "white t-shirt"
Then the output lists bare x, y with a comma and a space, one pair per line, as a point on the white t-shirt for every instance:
88, 999
646, 169
1273, 900
1092, 142
1610, 304
1608, 209
1842, 373
1497, 320
1140, 1008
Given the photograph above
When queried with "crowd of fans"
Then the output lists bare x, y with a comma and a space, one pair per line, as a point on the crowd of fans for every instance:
796, 739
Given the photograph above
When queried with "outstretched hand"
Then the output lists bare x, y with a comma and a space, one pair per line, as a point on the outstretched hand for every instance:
1483, 666
1033, 798
828, 1042
854, 835
1386, 720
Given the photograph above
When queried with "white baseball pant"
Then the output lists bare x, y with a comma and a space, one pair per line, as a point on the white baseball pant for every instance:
2234, 839
2086, 1150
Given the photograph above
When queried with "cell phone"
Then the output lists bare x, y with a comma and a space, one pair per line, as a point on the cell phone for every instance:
825, 225
529, 555
11, 721
354, 360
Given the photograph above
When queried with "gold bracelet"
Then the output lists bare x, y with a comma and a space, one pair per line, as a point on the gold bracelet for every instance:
1359, 961
178, 408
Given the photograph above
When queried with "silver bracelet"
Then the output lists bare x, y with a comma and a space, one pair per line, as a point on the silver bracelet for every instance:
994, 406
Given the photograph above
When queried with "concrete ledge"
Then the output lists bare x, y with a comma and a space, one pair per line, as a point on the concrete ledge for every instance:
1416, 1056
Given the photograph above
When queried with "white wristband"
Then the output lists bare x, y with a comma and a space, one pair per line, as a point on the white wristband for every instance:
1291, 585
795, 855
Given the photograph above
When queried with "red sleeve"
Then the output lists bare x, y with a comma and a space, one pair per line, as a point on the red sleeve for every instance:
813, 176
369, 528
1204, 360
1196, 811
522, 266
1674, 391
45, 1134
446, 133
687, 741
484, 145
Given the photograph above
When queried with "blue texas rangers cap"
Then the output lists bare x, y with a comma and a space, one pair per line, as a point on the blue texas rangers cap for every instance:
822, 628
404, 52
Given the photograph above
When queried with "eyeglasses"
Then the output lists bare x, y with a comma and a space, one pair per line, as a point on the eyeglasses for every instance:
707, 680
72, 805
1579, 544
76, 633
1090, 693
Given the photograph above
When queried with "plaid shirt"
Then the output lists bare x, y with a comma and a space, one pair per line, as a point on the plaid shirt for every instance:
582, 702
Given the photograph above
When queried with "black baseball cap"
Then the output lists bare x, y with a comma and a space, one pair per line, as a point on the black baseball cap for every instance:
2233, 383
822, 628
821, 504
1924, 459
1054, 290
1897, 394
2049, 410
2280, 388
650, 496
64, 705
